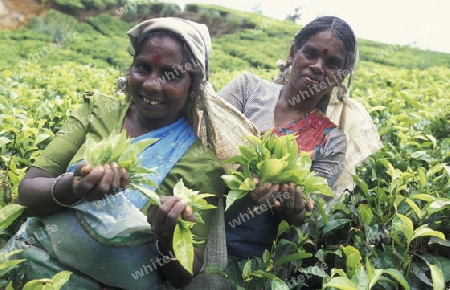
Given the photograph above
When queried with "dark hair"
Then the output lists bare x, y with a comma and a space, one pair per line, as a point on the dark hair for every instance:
196, 73
342, 31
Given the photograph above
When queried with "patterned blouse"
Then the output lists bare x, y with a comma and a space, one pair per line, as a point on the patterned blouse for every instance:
256, 98
249, 235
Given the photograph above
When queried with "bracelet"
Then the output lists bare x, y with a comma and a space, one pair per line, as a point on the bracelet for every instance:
162, 255
53, 188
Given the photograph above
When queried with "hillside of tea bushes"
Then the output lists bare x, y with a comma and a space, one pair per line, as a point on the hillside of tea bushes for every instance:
392, 232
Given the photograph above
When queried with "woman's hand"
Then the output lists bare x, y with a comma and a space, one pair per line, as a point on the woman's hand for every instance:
95, 183
286, 199
165, 217
293, 207
163, 220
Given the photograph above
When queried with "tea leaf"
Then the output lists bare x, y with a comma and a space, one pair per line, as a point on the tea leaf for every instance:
291, 257
397, 275
152, 196
182, 238
270, 168
365, 213
353, 259
232, 196
423, 231
437, 277
182, 244
60, 279
283, 227
402, 224
273, 159
335, 224
8, 265
278, 284
10, 213
133, 150
341, 283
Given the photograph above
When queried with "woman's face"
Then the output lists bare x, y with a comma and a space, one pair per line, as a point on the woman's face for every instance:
158, 82
317, 65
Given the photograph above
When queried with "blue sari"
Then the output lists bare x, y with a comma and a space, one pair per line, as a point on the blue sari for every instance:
108, 241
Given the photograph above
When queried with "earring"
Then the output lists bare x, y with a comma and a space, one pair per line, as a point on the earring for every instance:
285, 70
342, 92
281, 64
289, 61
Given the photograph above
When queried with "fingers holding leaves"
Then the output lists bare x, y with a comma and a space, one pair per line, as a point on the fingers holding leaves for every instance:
274, 159
124, 177
310, 203
85, 169
297, 193
164, 218
82, 169
188, 214
293, 206
116, 175
85, 186
265, 192
95, 183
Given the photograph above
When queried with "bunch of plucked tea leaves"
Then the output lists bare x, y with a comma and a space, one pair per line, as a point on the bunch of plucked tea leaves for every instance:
182, 237
118, 148
274, 159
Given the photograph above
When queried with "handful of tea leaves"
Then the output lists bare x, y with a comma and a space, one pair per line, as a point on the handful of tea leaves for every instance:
182, 237
273, 159
118, 148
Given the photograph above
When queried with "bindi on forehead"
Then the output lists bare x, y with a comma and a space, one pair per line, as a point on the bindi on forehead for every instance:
156, 59
325, 51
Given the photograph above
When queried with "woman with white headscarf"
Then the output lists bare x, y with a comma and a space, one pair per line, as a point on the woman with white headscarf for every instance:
322, 56
100, 229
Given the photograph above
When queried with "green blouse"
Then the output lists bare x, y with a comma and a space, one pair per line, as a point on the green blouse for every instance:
97, 118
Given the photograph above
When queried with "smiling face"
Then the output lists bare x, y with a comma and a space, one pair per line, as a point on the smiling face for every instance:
159, 85
317, 65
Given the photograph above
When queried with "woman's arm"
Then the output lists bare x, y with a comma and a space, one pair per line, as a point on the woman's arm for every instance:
43, 194
47, 172
200, 172
35, 192
35, 189
163, 220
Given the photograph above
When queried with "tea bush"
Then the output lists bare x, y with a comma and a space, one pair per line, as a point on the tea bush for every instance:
391, 232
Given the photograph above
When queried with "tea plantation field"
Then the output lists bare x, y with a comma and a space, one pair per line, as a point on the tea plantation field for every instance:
392, 232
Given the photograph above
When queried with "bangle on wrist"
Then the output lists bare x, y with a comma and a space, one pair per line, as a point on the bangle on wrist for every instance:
53, 188
162, 255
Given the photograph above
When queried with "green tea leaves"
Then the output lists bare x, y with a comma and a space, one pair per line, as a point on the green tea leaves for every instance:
234, 195
182, 237
151, 195
270, 168
273, 159
115, 148
118, 148
128, 156
192, 198
10, 213
183, 244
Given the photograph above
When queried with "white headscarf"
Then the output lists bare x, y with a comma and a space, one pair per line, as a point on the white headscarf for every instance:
196, 35
218, 124
354, 121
